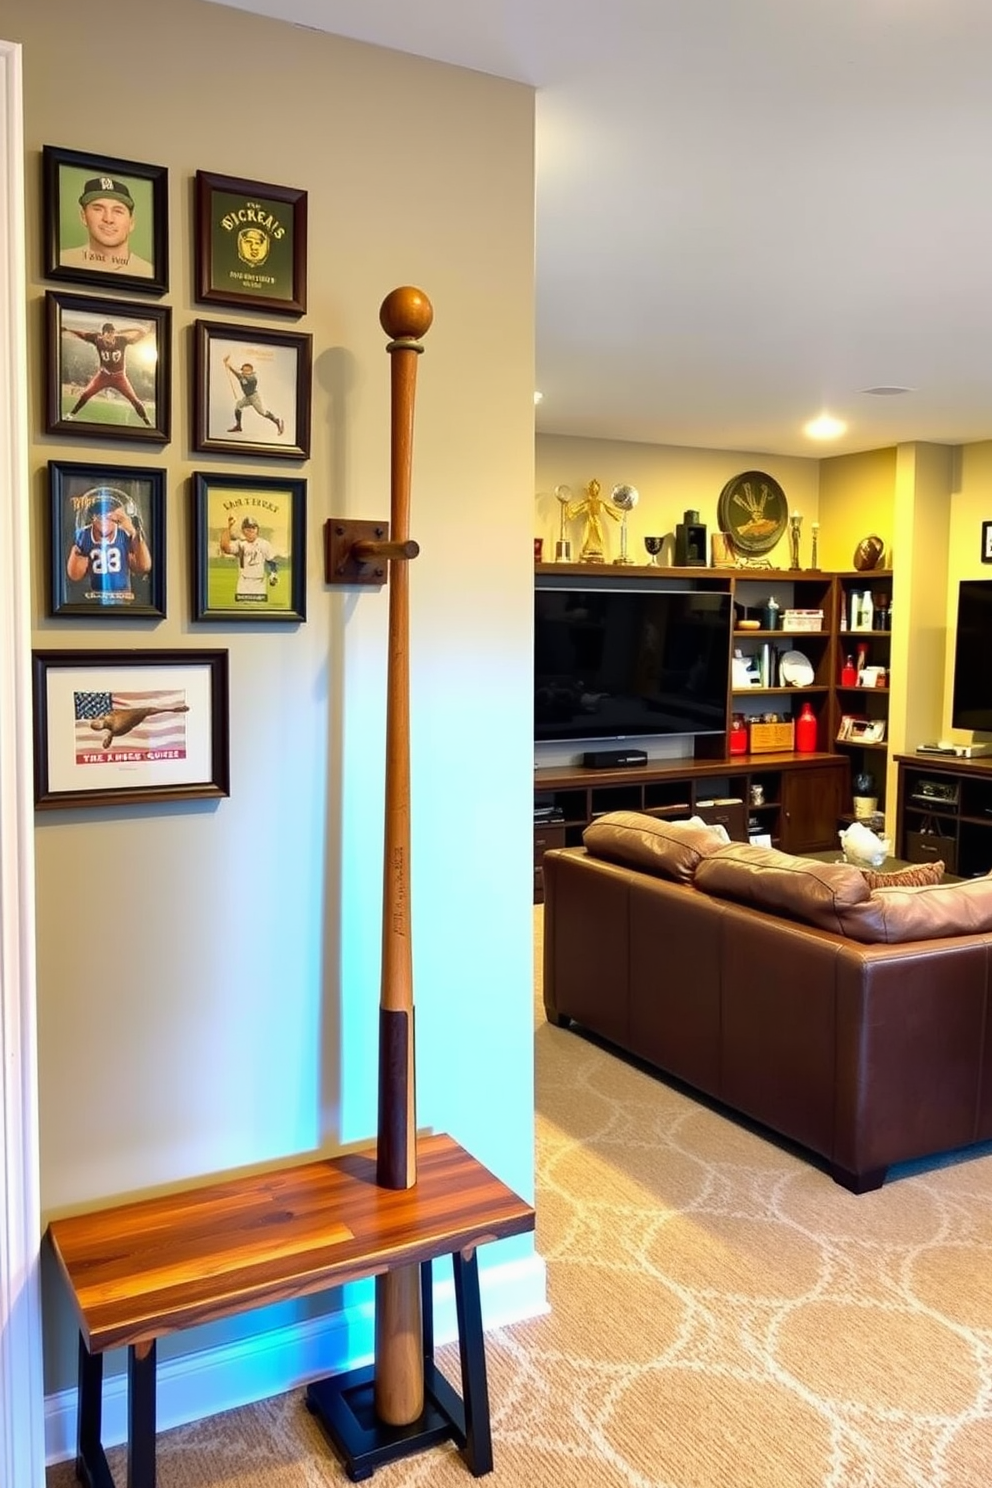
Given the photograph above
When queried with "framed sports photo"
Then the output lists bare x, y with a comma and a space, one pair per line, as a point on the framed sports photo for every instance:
106, 221
251, 244
251, 392
249, 547
108, 368
107, 540
134, 725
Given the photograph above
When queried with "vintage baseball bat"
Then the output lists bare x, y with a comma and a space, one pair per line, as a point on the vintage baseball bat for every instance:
406, 315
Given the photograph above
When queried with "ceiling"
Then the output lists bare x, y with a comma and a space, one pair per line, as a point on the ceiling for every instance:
749, 212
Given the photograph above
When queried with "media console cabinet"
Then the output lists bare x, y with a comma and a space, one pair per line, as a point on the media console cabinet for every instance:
138, 1271
804, 796
945, 812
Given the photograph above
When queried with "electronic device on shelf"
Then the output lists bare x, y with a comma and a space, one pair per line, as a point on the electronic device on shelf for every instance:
623, 661
942, 792
956, 751
971, 704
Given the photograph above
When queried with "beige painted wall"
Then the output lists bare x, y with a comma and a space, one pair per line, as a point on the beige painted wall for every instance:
208, 973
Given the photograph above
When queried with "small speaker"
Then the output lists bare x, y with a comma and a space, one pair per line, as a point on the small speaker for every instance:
613, 759
690, 542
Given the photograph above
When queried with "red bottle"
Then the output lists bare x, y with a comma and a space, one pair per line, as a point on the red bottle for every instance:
738, 734
849, 673
806, 731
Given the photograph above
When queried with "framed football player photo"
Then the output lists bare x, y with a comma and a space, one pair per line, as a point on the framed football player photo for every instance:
106, 221
249, 547
251, 244
251, 390
107, 527
134, 725
108, 368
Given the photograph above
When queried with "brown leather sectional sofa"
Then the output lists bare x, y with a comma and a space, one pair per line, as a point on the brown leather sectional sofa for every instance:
732, 968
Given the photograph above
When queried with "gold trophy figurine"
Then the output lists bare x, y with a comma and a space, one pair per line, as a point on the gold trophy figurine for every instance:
563, 547
795, 522
626, 498
592, 506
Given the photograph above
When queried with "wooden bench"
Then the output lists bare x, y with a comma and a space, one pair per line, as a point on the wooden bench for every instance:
141, 1270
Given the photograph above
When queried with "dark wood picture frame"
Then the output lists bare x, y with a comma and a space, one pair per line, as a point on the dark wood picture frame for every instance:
79, 230
109, 374
267, 414
261, 522
251, 244
130, 726
107, 547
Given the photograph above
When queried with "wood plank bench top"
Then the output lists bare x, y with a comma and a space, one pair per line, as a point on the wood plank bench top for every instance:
140, 1270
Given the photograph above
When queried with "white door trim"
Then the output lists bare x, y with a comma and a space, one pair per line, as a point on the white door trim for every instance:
22, 1458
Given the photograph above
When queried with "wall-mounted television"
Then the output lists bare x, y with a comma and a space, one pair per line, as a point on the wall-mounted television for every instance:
624, 661
971, 707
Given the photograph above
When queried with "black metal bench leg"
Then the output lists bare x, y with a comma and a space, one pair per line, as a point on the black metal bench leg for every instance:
475, 1388
141, 1416
89, 1405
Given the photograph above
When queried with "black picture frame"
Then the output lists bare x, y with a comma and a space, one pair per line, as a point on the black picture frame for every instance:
251, 244
986, 542
87, 753
82, 229
278, 424
107, 541
257, 518
108, 412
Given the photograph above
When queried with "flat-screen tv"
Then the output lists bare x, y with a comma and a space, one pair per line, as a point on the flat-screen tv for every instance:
623, 661
972, 697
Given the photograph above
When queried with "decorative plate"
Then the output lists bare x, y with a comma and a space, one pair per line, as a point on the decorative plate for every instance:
795, 669
753, 512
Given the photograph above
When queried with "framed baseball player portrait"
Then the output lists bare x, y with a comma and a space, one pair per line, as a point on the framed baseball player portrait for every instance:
107, 526
129, 725
251, 390
251, 244
249, 547
108, 368
106, 221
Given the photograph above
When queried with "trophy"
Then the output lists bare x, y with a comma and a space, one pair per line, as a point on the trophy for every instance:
795, 522
653, 545
625, 498
563, 547
814, 562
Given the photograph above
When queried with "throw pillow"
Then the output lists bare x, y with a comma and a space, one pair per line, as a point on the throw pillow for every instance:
669, 849
905, 878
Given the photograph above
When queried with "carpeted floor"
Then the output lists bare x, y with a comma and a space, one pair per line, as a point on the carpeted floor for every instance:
723, 1316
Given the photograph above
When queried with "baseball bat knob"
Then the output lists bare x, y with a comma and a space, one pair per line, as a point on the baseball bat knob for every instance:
406, 313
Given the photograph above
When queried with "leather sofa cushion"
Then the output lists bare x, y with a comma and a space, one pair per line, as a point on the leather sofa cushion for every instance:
822, 894
835, 896
669, 849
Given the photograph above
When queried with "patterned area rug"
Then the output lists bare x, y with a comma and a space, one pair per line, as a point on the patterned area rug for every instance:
723, 1316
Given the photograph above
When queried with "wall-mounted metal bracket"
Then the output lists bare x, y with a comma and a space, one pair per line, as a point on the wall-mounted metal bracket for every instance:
357, 552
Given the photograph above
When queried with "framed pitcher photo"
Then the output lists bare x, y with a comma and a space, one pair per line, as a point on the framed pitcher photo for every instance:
251, 391
108, 368
106, 221
251, 244
132, 725
107, 527
249, 548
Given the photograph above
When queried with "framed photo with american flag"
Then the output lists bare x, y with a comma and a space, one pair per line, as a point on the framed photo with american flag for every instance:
131, 725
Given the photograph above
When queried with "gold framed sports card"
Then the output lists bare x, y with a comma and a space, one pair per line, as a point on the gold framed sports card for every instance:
108, 368
107, 541
106, 221
251, 244
249, 547
133, 725
251, 390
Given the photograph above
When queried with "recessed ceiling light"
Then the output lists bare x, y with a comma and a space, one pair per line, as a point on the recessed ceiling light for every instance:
887, 390
825, 427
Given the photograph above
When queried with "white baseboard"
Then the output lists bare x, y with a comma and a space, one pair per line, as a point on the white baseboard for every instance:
190, 1387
